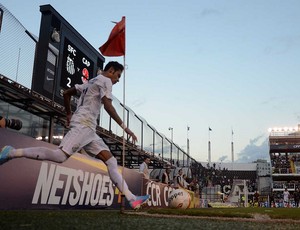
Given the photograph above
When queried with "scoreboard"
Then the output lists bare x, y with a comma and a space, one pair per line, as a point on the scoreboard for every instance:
63, 57
76, 66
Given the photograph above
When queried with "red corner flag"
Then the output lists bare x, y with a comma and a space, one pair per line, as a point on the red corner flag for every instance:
115, 45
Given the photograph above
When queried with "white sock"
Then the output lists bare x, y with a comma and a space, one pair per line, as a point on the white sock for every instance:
40, 153
117, 178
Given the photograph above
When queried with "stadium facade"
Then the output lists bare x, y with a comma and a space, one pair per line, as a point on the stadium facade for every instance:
285, 159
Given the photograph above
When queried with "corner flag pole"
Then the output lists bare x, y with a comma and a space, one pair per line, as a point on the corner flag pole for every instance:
124, 117
115, 47
123, 149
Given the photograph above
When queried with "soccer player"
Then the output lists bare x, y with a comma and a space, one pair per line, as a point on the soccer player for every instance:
82, 134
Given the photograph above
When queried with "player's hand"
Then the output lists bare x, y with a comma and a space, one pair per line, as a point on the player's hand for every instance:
131, 134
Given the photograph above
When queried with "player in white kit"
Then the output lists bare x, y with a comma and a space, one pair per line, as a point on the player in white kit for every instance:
94, 94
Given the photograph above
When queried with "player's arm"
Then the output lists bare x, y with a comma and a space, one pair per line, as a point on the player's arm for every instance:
110, 109
67, 102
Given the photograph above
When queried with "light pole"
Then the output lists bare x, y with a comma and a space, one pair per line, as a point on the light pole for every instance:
188, 145
187, 140
171, 129
209, 146
232, 149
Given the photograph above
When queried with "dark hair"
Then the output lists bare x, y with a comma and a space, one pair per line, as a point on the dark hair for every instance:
115, 65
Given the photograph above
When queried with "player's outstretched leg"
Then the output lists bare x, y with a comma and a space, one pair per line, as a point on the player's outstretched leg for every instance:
4, 154
36, 153
139, 201
134, 201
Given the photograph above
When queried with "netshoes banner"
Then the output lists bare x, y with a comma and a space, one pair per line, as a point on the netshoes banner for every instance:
81, 182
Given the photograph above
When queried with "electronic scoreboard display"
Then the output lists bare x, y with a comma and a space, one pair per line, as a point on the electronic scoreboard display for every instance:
76, 66
63, 57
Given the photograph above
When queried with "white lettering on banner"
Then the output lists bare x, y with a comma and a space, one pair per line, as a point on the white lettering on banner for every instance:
86, 188
57, 184
296, 146
107, 192
74, 196
154, 191
43, 182
96, 192
62, 185
167, 191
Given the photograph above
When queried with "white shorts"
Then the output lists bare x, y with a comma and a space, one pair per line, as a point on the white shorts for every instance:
82, 137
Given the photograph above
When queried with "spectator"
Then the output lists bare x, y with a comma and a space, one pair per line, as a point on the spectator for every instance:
243, 200
166, 177
178, 183
296, 198
194, 186
144, 168
256, 198
272, 201
185, 183
286, 198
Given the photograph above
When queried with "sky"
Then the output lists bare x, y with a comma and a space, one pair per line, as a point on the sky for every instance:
229, 65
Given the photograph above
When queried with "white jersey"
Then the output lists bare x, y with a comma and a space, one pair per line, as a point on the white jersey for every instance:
89, 103
178, 182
